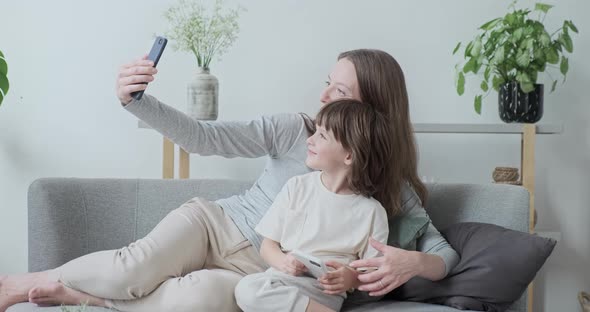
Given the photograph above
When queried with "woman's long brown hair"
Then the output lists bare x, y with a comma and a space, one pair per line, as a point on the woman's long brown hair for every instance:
382, 85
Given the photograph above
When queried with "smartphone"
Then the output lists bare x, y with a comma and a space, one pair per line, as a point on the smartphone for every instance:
154, 56
315, 266
364, 270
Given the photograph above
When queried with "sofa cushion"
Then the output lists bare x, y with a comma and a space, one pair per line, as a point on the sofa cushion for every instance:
496, 266
374, 307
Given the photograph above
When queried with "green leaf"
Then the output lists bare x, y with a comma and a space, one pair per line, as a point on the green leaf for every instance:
499, 56
477, 104
517, 35
3, 67
510, 19
530, 43
542, 7
489, 25
570, 24
552, 56
497, 82
468, 49
564, 66
532, 73
456, 48
567, 43
539, 57
553, 86
527, 87
557, 45
470, 65
486, 73
4, 85
478, 64
3, 75
523, 78
484, 86
523, 59
476, 50
461, 84
545, 39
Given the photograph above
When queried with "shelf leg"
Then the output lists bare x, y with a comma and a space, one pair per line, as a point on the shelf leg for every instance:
168, 160
183, 164
528, 181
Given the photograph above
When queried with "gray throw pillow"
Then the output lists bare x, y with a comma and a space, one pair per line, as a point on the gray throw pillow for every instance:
496, 266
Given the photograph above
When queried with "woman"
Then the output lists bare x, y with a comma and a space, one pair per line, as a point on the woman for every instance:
195, 256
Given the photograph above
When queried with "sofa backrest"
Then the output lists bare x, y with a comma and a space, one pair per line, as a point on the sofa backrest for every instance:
70, 217
501, 204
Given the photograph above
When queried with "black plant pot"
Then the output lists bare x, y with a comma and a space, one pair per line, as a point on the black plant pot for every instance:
517, 106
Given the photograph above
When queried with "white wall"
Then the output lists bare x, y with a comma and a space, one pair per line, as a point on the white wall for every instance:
61, 117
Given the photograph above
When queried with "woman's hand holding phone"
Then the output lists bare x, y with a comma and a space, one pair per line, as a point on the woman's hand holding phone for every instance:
134, 77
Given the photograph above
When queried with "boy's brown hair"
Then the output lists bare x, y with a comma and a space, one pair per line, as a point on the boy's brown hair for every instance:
366, 133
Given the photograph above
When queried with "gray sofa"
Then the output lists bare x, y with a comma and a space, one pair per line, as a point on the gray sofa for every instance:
70, 217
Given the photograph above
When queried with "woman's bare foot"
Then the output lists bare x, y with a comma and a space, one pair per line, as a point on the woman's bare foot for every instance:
15, 288
55, 293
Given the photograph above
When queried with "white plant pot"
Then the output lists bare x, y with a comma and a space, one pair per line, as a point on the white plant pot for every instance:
202, 95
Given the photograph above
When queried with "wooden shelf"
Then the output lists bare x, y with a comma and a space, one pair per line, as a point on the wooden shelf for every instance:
516, 128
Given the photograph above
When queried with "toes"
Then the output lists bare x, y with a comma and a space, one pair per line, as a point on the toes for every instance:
34, 293
40, 292
44, 301
47, 290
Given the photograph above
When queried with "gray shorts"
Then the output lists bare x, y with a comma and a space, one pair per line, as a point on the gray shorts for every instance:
276, 291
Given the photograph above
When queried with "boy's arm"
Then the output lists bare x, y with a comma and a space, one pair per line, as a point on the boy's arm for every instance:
272, 254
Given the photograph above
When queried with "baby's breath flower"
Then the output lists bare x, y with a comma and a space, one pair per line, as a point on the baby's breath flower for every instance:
205, 35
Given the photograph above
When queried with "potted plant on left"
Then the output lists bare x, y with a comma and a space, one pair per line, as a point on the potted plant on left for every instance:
3, 78
206, 36
511, 51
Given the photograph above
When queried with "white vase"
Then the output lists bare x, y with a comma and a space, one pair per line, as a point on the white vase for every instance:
202, 95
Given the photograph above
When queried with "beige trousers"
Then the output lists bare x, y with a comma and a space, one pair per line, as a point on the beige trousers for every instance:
191, 261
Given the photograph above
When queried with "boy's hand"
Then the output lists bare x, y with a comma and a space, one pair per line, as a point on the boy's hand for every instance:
291, 266
340, 280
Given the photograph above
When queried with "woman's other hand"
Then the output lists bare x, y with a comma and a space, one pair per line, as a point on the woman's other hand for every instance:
134, 77
396, 267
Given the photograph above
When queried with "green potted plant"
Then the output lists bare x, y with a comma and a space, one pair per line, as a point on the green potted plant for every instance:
511, 51
206, 35
3, 77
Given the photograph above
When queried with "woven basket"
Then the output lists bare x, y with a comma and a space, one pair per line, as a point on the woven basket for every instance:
584, 301
505, 174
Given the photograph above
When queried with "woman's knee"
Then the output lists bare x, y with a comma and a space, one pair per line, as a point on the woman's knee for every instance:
206, 290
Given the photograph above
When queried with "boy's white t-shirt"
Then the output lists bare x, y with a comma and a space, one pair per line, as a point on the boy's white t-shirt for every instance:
308, 217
